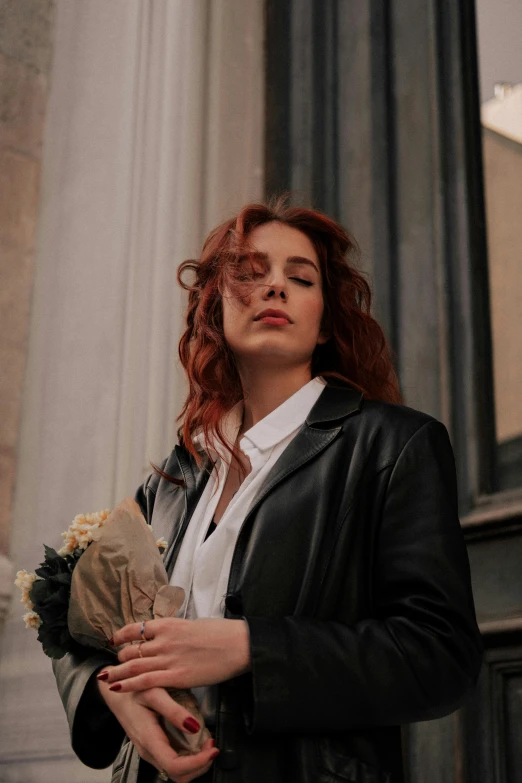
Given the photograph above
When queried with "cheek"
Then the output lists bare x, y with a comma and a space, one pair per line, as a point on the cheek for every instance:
233, 319
314, 311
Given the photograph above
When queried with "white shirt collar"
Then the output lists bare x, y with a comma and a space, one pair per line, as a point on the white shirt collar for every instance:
274, 427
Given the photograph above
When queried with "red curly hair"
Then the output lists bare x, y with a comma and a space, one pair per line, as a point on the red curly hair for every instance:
356, 353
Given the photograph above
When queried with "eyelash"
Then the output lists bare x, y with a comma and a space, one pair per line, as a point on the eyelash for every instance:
307, 283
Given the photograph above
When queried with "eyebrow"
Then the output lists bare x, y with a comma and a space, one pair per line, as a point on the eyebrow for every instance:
295, 260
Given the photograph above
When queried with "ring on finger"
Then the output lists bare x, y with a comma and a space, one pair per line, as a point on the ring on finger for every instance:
139, 649
142, 634
163, 775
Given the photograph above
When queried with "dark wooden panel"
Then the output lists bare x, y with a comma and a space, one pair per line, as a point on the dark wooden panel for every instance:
384, 134
418, 208
512, 709
496, 575
372, 116
367, 201
493, 715
278, 56
301, 142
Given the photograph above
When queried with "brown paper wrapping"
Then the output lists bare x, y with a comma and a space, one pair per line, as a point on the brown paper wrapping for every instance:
121, 579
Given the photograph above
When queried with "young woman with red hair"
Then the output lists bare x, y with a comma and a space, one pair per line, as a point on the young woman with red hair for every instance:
312, 521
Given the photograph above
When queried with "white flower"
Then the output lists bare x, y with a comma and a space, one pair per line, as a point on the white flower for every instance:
83, 529
32, 620
25, 581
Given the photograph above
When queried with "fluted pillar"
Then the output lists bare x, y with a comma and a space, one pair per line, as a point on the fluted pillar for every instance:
154, 132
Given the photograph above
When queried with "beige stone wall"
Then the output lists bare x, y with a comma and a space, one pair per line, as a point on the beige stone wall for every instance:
142, 112
503, 190
25, 56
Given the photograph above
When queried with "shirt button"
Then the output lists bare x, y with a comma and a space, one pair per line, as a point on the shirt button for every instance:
228, 759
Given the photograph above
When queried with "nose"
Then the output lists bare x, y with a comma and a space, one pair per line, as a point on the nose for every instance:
276, 286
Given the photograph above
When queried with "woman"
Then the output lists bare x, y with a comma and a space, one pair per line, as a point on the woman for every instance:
312, 521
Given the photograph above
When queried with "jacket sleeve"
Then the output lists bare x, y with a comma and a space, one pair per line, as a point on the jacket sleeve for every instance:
419, 654
96, 735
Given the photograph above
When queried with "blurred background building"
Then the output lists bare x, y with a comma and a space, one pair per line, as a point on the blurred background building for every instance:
129, 129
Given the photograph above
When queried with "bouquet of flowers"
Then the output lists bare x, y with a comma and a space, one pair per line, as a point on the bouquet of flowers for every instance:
108, 573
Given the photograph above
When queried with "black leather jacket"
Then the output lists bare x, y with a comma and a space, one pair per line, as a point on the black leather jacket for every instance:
352, 573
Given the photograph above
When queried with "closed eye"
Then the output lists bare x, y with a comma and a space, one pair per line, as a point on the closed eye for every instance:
300, 280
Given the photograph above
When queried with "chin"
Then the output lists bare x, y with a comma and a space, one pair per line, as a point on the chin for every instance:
272, 354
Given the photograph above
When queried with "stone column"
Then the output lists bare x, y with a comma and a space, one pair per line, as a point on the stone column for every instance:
154, 133
25, 58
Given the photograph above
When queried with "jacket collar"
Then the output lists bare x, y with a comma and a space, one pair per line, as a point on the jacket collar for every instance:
273, 428
335, 403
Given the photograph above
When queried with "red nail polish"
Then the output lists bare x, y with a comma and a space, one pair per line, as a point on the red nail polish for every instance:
214, 753
191, 725
103, 676
111, 641
115, 687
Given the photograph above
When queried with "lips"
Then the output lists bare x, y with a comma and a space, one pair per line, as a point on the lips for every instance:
273, 314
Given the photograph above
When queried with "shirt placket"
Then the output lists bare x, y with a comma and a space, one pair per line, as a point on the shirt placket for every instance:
222, 474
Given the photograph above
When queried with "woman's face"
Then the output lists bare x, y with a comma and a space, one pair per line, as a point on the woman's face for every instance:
289, 279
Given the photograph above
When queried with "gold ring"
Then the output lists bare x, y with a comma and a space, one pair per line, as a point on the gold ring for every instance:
139, 649
163, 775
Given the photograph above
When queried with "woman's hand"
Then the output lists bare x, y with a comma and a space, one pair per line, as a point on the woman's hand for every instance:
137, 714
179, 653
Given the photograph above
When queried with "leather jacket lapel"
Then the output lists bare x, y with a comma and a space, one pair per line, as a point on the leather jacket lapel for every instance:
306, 444
195, 481
195, 478
334, 404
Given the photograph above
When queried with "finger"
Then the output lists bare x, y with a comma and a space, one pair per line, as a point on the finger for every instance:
185, 768
132, 632
132, 668
156, 749
157, 678
159, 750
196, 773
172, 711
133, 650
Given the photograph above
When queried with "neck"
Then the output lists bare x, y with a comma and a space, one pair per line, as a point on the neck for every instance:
265, 391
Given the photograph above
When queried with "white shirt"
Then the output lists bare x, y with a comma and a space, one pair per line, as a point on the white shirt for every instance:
202, 567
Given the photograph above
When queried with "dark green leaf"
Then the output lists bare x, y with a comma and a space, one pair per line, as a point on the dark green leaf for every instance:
63, 578
39, 591
44, 571
51, 554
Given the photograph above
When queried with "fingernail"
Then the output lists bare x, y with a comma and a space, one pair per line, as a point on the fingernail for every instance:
103, 676
115, 687
111, 641
191, 725
214, 753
